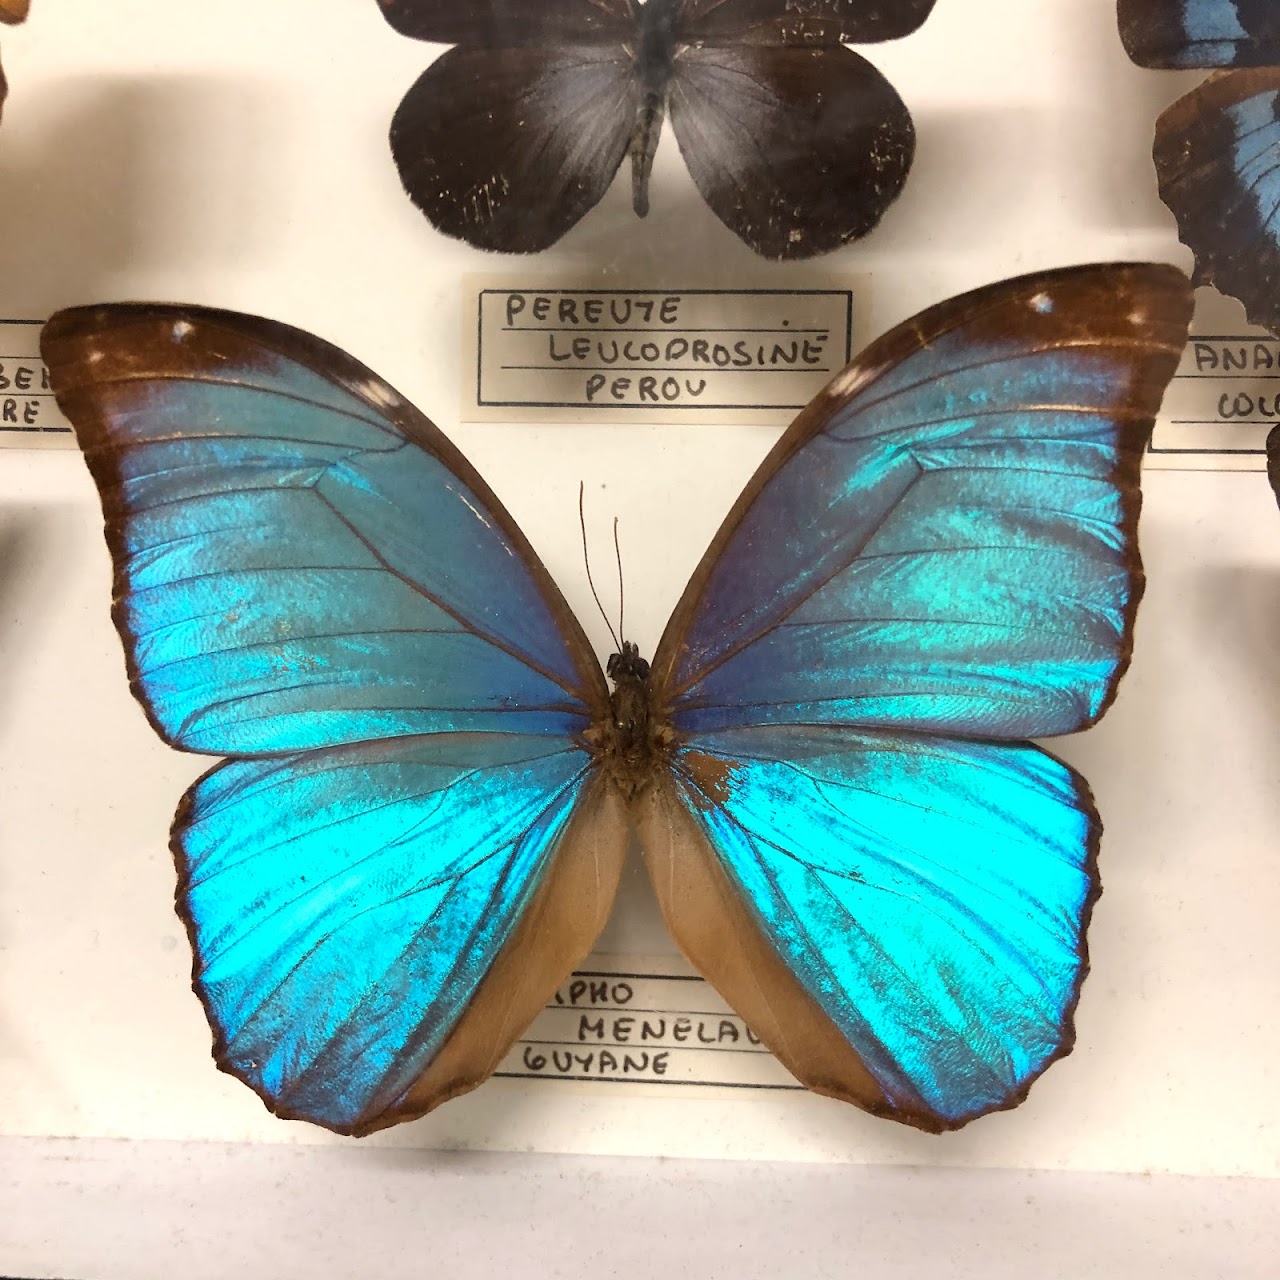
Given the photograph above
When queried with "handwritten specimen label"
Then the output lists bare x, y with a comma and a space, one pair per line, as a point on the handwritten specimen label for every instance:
679, 356
644, 1022
29, 416
1222, 402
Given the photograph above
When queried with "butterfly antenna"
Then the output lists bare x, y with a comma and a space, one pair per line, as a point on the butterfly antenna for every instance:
622, 599
586, 559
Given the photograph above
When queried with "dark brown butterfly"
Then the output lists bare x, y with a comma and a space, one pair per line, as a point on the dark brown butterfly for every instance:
797, 144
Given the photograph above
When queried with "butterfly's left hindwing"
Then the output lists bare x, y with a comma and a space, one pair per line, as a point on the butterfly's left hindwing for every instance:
927, 897
796, 150
309, 575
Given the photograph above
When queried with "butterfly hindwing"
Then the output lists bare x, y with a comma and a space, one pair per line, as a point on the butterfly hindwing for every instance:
309, 575
944, 540
508, 148
796, 150
1217, 155
942, 544
1186, 34
927, 897
348, 906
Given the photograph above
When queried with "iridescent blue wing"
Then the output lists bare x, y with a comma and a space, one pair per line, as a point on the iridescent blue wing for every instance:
1217, 154
942, 544
944, 540
302, 559
899, 917
309, 577
1201, 33
375, 925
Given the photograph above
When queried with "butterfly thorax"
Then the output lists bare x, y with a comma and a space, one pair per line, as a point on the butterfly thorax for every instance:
653, 58
633, 742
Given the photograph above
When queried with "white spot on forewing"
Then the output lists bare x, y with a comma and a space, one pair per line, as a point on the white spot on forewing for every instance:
1041, 303
1137, 317
181, 330
95, 357
375, 391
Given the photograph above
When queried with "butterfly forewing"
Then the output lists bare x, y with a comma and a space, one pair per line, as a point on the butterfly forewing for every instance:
12, 11
804, 22
307, 572
1201, 33
944, 539
504, 23
943, 543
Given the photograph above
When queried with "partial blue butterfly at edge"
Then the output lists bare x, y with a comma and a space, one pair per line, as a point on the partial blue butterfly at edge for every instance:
1217, 148
421, 825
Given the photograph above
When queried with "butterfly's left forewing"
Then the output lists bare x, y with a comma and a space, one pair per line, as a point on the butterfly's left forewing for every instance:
937, 560
410, 851
800, 22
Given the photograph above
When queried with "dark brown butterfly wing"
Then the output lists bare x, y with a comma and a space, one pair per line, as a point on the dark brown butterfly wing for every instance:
510, 22
806, 22
1273, 460
13, 11
508, 148
1217, 155
798, 151
1184, 34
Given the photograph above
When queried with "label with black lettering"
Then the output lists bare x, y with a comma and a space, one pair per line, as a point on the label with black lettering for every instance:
1222, 402
651, 1022
613, 355
29, 416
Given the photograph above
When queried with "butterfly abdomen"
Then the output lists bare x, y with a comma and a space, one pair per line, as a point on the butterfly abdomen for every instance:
632, 743
653, 74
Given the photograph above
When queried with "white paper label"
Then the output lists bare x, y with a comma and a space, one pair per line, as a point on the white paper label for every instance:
678, 356
1220, 405
29, 416
622, 1020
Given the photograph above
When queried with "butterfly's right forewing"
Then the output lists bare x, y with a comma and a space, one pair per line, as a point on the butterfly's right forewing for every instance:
505, 23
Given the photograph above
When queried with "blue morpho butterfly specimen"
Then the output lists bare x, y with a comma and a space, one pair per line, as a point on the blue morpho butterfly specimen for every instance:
422, 823
797, 144
1217, 150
